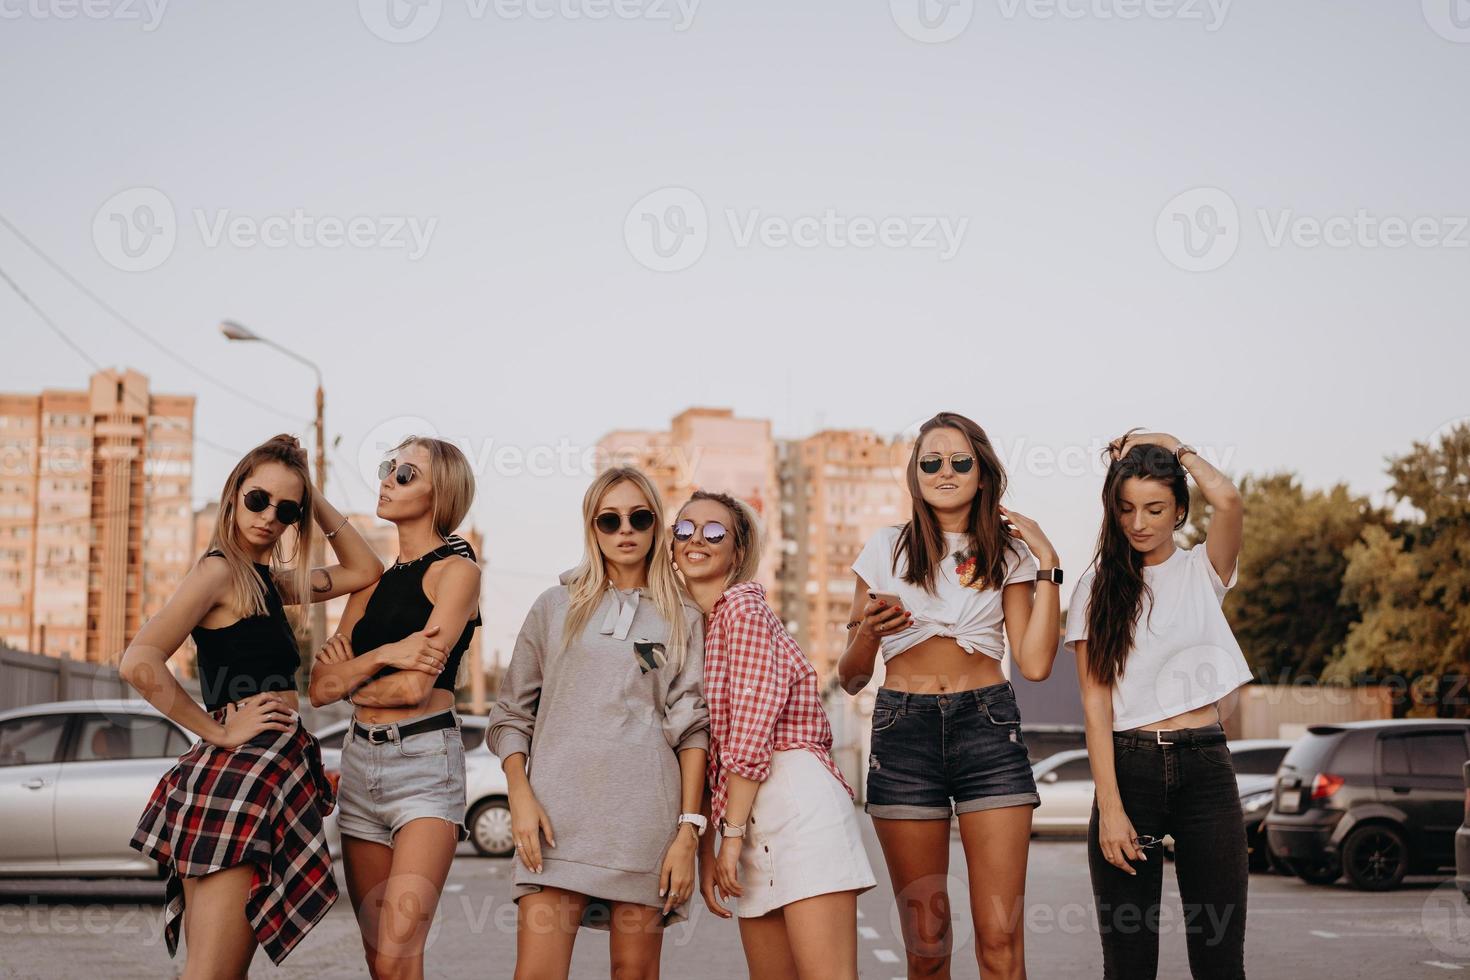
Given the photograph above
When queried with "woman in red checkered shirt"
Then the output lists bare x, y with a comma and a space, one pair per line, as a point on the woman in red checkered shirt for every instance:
790, 852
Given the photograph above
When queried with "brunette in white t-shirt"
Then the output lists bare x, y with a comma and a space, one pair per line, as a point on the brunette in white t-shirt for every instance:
1156, 660
939, 597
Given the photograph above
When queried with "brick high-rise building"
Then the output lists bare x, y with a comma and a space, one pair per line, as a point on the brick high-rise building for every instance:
96, 528
710, 449
837, 488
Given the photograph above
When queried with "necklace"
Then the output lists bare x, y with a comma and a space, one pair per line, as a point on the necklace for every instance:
400, 563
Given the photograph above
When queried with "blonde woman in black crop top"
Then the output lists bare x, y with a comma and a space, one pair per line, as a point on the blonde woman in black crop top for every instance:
237, 822
396, 656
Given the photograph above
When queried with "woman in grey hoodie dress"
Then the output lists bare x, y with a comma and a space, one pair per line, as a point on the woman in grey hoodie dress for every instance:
602, 730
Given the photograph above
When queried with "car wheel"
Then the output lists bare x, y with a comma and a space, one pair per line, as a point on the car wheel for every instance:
1375, 857
1323, 871
489, 826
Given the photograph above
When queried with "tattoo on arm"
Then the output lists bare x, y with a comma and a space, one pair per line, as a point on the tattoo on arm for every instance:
327, 575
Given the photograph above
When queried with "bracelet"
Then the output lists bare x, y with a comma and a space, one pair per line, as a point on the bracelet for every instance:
854, 625
333, 534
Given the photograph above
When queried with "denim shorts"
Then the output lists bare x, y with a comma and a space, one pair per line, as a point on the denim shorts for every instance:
931, 749
386, 784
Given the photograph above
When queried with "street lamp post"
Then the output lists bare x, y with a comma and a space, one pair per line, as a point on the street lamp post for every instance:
318, 618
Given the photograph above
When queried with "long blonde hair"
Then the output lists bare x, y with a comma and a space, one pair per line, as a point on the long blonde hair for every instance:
589, 580
247, 592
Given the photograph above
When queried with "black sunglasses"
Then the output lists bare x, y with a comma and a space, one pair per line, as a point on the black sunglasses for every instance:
609, 522
931, 462
402, 472
712, 531
287, 511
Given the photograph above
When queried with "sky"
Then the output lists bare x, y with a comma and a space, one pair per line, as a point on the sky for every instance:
524, 223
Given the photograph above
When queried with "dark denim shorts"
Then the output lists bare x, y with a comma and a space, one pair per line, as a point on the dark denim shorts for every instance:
931, 749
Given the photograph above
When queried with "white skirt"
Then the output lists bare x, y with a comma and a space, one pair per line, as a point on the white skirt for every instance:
802, 839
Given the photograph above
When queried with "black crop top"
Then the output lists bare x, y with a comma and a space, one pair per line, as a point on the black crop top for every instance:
398, 607
251, 655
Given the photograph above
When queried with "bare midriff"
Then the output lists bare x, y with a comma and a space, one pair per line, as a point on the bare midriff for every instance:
1197, 718
939, 665
439, 700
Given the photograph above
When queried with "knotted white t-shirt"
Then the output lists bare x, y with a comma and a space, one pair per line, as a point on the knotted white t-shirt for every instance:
957, 608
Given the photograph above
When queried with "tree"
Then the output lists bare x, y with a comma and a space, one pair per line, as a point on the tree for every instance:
1285, 610
1411, 581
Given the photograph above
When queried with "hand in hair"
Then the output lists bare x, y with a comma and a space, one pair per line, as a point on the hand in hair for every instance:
1136, 437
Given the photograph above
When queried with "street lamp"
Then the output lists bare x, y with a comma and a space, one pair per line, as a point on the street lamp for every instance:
235, 331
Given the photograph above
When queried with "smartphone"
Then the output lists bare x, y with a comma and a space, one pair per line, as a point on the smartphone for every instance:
892, 598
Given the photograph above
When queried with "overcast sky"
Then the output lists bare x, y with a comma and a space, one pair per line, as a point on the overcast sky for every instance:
528, 223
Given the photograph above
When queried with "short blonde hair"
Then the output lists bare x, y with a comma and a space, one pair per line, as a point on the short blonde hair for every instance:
452, 479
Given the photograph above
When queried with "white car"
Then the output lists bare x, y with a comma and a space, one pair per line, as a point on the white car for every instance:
488, 813
74, 779
1064, 783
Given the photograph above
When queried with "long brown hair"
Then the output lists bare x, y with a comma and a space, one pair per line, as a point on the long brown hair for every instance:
1118, 587
247, 593
921, 540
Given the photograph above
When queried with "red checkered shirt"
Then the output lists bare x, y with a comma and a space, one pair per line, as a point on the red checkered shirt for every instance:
761, 691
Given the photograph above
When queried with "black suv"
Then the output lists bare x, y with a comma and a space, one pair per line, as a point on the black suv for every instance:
1375, 800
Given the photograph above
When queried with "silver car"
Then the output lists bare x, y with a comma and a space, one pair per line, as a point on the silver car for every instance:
74, 778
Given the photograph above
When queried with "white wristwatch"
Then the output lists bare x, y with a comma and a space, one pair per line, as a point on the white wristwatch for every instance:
728, 829
700, 823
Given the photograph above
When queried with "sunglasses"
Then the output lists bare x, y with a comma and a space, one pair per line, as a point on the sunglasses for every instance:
932, 462
712, 531
287, 511
610, 523
1148, 841
402, 472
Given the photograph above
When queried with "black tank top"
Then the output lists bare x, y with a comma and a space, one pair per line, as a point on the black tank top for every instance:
251, 655
398, 607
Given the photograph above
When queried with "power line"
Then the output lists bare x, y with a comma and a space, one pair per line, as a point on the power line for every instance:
82, 287
80, 352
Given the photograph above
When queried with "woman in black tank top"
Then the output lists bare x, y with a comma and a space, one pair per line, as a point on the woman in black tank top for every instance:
254, 761
396, 657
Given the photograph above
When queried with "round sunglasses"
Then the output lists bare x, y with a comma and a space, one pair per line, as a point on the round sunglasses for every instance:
932, 462
712, 531
403, 473
287, 511
609, 522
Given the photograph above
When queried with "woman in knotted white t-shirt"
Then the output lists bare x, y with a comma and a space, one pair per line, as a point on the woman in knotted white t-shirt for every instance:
1156, 658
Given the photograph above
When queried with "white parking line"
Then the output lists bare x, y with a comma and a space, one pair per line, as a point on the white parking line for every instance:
1324, 935
1443, 966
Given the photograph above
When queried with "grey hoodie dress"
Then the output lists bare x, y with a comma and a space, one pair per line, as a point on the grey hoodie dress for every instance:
601, 723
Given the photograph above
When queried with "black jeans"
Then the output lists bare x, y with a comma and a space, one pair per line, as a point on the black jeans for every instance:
1187, 790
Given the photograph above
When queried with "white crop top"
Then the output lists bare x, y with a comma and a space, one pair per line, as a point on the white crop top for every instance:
1184, 656
958, 609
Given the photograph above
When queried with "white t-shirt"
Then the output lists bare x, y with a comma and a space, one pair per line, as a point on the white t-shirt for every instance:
957, 608
1184, 655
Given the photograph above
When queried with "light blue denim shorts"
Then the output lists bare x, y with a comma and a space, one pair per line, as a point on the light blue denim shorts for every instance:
389, 780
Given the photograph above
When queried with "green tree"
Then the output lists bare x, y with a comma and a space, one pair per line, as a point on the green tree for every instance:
1411, 581
1285, 610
